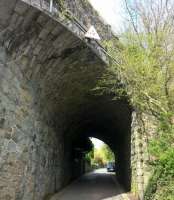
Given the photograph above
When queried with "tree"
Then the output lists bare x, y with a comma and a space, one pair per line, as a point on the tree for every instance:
144, 68
108, 155
103, 155
152, 50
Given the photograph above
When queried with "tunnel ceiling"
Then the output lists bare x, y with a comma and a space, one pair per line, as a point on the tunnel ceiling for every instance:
103, 118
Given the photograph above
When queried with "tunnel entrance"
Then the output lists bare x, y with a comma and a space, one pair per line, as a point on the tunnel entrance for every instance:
90, 154
103, 125
49, 107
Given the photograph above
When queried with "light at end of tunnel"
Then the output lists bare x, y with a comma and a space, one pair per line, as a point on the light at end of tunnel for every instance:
97, 143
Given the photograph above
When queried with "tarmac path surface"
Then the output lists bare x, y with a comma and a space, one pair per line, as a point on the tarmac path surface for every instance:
97, 185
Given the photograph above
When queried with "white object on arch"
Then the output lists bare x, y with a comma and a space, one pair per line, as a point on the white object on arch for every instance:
92, 33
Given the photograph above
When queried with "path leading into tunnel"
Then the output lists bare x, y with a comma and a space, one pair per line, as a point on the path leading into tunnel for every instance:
97, 185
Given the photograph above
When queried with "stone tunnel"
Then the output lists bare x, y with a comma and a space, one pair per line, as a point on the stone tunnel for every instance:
48, 106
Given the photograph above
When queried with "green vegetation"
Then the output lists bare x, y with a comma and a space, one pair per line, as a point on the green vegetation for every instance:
90, 155
99, 157
161, 185
143, 72
103, 155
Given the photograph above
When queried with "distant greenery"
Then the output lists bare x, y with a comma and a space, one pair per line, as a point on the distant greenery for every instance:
99, 157
90, 155
143, 72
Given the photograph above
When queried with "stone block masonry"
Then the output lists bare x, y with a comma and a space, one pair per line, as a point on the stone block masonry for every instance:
29, 165
143, 127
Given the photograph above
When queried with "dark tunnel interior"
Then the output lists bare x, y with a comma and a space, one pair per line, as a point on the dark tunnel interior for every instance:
109, 121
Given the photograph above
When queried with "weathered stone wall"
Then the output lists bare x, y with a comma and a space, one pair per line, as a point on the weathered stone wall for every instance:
29, 155
143, 127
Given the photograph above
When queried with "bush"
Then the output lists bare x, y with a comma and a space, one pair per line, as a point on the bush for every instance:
161, 185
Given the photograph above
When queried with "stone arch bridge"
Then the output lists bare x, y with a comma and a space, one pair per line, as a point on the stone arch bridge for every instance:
48, 109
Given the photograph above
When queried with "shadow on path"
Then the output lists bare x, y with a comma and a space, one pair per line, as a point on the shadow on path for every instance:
97, 185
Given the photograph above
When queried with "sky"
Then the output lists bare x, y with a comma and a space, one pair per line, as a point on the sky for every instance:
111, 11
97, 143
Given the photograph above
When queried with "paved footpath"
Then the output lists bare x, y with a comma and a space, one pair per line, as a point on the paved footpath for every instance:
97, 185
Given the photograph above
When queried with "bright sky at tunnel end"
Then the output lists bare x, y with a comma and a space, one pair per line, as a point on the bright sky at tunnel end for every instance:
97, 143
111, 11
